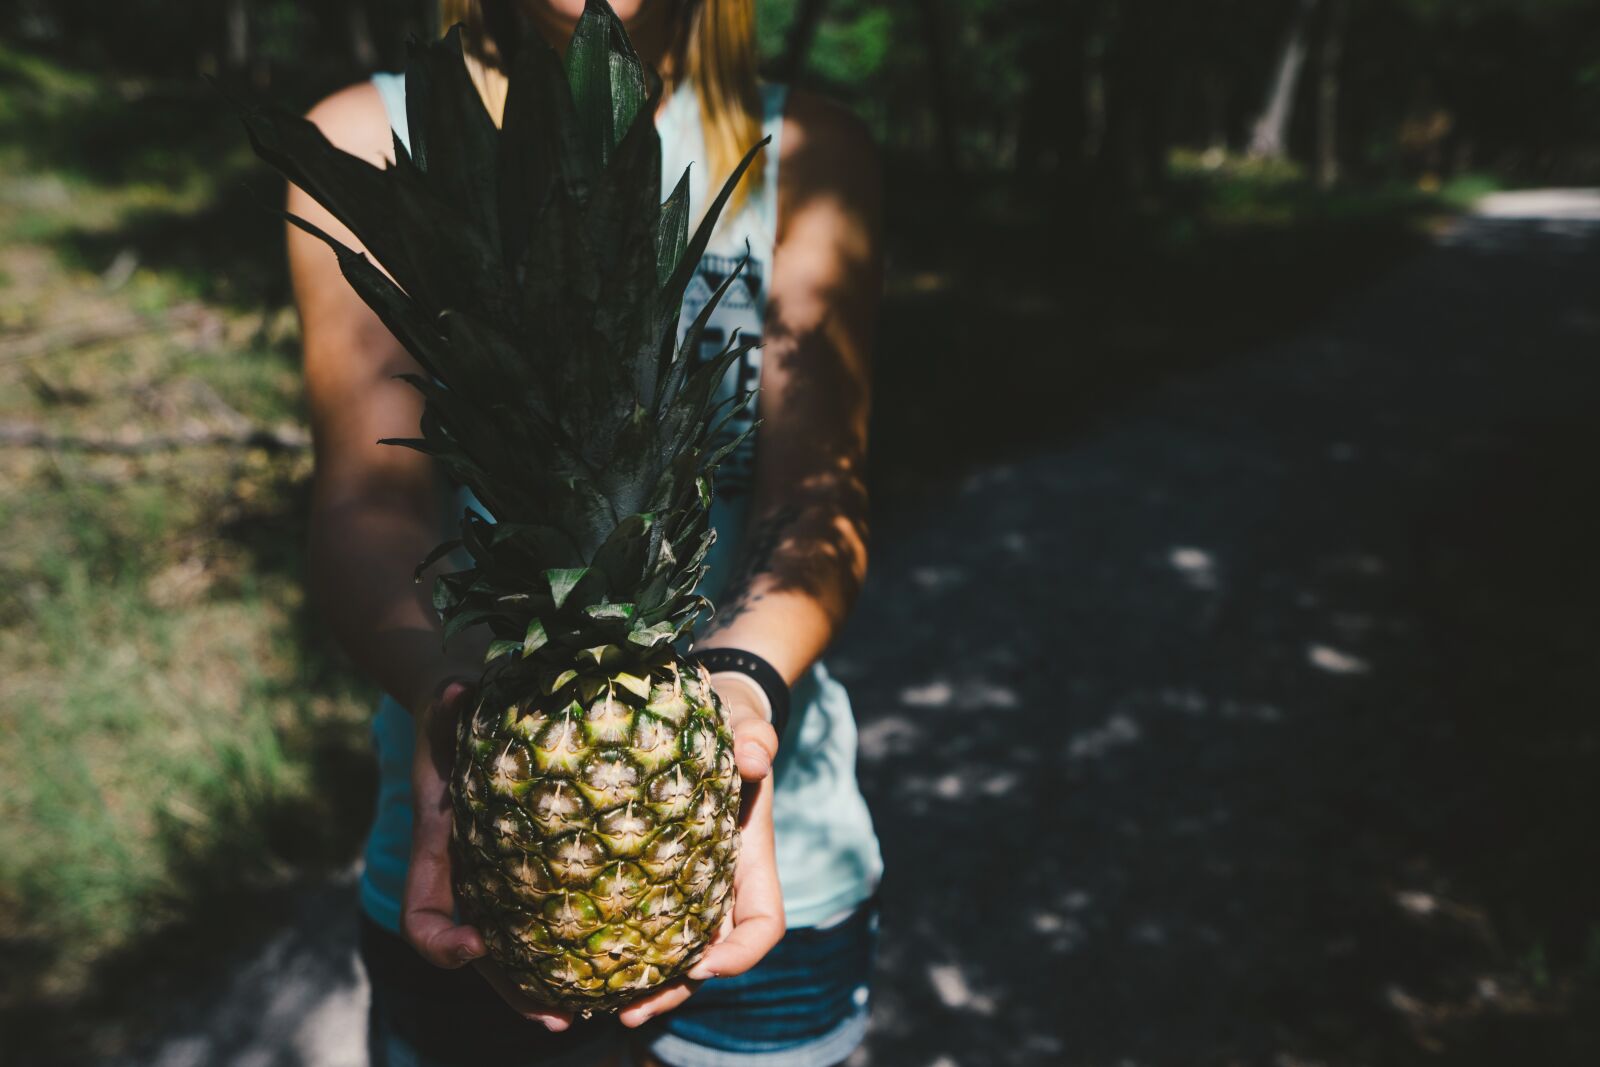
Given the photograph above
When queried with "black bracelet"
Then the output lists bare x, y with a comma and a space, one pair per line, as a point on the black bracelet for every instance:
738, 661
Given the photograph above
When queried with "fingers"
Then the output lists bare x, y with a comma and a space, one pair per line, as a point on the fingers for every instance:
439, 940
755, 743
753, 936
437, 725
427, 909
436, 746
520, 1002
758, 922
660, 1002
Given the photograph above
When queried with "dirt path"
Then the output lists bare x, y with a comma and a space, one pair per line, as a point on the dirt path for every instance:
1267, 733
1251, 729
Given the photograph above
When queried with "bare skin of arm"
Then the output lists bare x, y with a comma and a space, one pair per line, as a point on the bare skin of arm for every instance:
805, 549
375, 508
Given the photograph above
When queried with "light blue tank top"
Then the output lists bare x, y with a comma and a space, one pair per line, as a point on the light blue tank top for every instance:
828, 858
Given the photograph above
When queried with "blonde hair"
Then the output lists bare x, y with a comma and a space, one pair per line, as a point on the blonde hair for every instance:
713, 48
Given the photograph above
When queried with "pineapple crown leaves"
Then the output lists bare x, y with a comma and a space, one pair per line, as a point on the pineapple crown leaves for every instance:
537, 277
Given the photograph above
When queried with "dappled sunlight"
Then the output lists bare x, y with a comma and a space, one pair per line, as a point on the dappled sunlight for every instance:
932, 695
1242, 744
975, 694
1541, 206
881, 738
939, 578
1193, 702
1059, 933
1334, 661
1115, 732
1503, 234
950, 983
1195, 565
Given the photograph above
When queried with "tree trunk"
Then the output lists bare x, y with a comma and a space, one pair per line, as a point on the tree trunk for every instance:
236, 32
1214, 102
363, 49
1328, 60
1053, 128
1269, 138
1094, 105
932, 25
801, 33
1136, 81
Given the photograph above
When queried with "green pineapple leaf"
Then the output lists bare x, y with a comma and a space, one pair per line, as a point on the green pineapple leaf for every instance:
537, 275
563, 581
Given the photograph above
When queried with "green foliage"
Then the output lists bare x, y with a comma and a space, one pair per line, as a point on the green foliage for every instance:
1106, 89
852, 49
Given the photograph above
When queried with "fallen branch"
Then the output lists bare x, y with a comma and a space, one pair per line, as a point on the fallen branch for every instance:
201, 324
71, 337
17, 434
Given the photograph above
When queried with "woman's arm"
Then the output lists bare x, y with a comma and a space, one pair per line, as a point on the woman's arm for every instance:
374, 514
805, 549
375, 508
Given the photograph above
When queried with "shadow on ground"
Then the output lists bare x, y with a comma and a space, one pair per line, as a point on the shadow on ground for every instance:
1258, 726
249, 951
202, 208
1254, 727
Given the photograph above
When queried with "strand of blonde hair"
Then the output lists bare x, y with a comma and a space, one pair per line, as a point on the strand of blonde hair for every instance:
714, 48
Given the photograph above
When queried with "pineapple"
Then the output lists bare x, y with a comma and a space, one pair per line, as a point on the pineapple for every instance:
537, 277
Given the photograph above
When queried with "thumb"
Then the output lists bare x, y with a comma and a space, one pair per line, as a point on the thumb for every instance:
755, 743
427, 916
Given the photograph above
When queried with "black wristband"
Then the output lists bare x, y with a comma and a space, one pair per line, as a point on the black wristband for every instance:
764, 674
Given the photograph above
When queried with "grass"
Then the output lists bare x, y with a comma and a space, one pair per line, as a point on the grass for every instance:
178, 741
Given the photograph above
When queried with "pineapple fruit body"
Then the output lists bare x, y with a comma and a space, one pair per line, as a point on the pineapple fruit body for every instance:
596, 825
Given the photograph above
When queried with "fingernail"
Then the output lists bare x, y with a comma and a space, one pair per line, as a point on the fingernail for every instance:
466, 955
701, 973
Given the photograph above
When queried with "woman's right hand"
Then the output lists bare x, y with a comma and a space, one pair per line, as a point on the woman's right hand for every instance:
427, 912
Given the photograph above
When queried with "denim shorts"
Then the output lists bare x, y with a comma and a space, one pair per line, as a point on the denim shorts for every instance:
804, 1005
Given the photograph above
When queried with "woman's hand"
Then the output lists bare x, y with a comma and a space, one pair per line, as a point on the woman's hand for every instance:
755, 923
427, 914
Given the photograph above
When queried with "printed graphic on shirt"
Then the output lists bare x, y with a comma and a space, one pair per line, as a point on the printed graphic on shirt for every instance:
740, 311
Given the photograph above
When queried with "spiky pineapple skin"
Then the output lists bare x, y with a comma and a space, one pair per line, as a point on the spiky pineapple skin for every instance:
596, 827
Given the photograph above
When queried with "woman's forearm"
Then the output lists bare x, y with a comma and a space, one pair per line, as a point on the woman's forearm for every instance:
800, 570
364, 548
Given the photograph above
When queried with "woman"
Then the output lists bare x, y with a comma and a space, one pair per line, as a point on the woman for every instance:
792, 553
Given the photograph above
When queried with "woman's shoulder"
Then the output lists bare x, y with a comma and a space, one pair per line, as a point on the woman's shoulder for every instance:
826, 148
354, 119
814, 124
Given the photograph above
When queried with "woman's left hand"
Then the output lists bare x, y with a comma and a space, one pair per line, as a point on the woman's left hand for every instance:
755, 924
